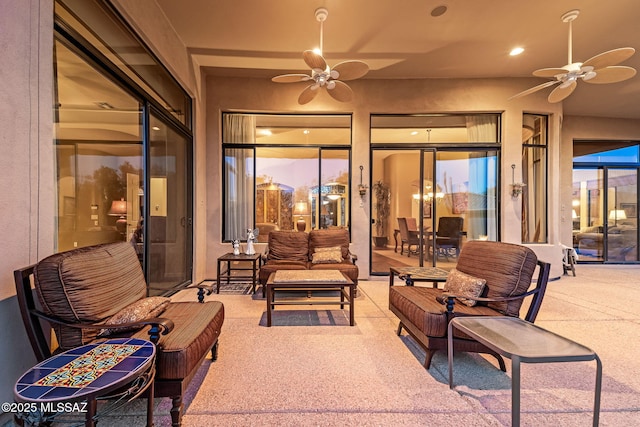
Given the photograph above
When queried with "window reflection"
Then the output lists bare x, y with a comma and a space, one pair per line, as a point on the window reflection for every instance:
294, 166
98, 155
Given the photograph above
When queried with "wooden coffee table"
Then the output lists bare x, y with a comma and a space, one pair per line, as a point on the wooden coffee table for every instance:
311, 280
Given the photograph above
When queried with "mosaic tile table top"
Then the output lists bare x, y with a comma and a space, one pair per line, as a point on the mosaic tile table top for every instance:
86, 371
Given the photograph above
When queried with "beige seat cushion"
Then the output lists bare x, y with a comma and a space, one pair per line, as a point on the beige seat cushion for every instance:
421, 308
197, 326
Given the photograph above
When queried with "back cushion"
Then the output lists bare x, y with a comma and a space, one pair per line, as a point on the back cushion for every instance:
88, 285
289, 245
329, 238
507, 268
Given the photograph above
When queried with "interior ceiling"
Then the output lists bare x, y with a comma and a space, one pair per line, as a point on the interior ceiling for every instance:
402, 40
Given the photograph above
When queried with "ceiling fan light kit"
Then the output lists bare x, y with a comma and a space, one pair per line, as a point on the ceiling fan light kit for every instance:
600, 69
323, 76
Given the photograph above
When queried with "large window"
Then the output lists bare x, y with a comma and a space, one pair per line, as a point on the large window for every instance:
287, 172
123, 144
534, 176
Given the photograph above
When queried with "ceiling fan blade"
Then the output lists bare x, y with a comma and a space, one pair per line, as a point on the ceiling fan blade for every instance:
611, 57
351, 70
612, 74
535, 88
308, 94
341, 91
549, 72
314, 60
561, 92
291, 78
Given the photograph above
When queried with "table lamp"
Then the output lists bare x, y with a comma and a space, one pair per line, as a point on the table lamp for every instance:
301, 209
119, 209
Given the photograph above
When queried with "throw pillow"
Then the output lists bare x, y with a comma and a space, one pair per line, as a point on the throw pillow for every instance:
328, 249
327, 257
146, 308
463, 285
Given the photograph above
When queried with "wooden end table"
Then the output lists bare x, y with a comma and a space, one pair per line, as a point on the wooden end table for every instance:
311, 280
84, 374
238, 263
522, 341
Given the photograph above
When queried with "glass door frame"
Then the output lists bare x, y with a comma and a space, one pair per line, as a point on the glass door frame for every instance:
606, 204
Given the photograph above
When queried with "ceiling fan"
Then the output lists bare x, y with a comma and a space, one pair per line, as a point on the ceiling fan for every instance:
599, 69
323, 76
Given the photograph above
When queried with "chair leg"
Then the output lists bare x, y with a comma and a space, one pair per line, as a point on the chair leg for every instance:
214, 352
428, 357
503, 368
176, 411
400, 329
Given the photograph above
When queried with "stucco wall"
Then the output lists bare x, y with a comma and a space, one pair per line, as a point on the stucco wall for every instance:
26, 193
386, 96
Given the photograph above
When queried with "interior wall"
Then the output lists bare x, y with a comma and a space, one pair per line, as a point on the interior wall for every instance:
373, 96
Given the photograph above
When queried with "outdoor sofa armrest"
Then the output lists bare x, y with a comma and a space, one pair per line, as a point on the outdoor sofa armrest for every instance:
203, 290
354, 258
159, 326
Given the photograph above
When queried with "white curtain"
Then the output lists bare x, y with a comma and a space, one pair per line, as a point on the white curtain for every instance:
481, 128
239, 129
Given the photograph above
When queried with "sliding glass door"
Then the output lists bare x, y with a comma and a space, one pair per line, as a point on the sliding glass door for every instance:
427, 203
604, 214
169, 207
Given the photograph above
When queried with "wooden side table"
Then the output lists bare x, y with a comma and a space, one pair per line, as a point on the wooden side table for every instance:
84, 374
238, 263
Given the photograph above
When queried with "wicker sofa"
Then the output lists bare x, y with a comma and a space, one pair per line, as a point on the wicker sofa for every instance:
85, 290
506, 270
294, 250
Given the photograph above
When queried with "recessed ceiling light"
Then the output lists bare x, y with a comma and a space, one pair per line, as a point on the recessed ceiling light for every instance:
155, 128
438, 11
265, 132
306, 131
516, 51
415, 132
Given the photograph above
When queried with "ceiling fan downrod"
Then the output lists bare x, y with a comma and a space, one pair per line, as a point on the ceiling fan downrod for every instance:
321, 16
569, 17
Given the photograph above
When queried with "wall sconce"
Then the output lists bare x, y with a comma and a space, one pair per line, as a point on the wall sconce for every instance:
516, 187
362, 189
